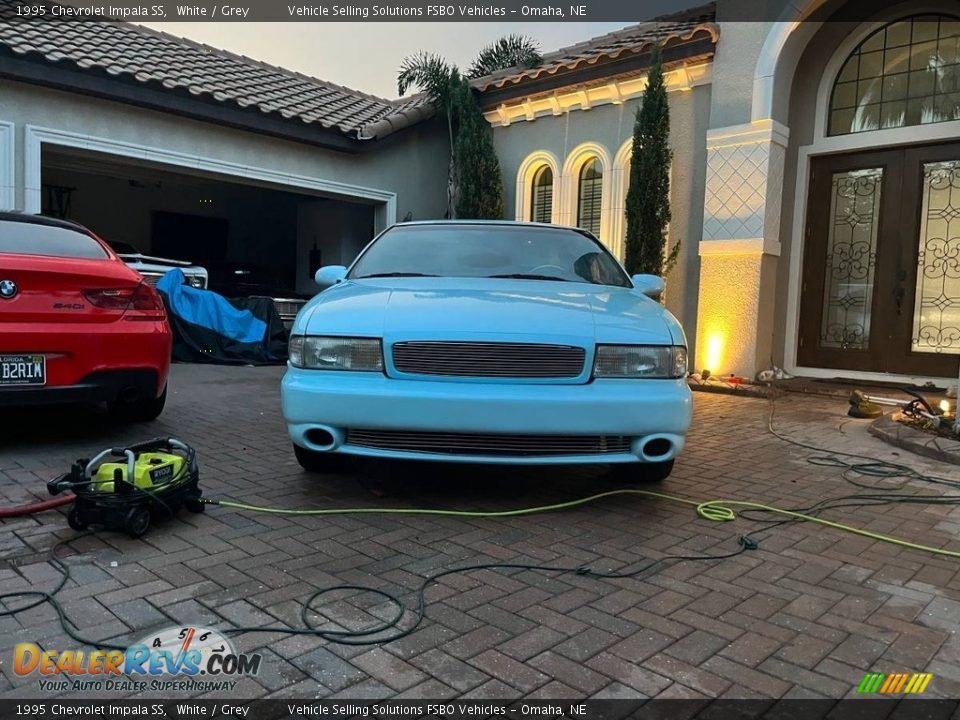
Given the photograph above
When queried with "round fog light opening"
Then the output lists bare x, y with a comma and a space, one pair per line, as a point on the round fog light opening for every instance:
657, 447
319, 436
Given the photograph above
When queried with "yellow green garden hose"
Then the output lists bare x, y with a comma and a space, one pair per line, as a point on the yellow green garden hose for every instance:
714, 510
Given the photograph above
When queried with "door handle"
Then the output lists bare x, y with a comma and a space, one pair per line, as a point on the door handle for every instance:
899, 291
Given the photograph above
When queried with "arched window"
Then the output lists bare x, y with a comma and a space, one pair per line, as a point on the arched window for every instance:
589, 196
541, 195
906, 73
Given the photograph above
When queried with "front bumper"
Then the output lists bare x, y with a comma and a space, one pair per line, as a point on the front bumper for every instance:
103, 386
337, 402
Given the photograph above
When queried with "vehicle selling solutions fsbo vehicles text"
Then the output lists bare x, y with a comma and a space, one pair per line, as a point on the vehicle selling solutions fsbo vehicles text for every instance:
376, 11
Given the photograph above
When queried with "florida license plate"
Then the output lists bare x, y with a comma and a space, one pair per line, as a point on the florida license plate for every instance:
23, 370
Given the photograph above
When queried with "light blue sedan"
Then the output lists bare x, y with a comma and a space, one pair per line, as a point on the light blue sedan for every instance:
488, 342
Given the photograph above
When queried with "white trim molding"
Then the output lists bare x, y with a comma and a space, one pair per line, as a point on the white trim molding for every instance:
35, 137
528, 169
615, 92
833, 373
743, 246
570, 186
778, 59
8, 166
779, 55
757, 131
744, 188
619, 184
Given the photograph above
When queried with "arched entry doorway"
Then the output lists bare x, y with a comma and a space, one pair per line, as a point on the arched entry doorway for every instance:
880, 280
864, 201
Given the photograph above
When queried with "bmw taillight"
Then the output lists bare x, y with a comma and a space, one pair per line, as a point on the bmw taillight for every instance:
139, 303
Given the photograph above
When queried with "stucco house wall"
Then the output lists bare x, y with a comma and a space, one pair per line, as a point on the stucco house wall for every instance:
734, 64
610, 127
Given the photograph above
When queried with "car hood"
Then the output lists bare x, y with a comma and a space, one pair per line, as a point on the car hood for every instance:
502, 309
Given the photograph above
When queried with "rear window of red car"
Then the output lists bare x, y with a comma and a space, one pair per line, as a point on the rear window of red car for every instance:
32, 239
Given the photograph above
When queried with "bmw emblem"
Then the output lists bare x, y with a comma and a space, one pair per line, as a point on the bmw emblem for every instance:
8, 288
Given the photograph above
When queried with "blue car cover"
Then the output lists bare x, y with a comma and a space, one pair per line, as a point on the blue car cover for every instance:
208, 327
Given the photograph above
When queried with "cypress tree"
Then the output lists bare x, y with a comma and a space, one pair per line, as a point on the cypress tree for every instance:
479, 182
648, 198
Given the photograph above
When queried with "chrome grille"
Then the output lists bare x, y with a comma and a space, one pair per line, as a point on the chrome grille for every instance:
288, 309
501, 445
485, 359
153, 278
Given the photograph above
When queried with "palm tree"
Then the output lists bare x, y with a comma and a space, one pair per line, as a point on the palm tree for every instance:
440, 81
434, 76
509, 51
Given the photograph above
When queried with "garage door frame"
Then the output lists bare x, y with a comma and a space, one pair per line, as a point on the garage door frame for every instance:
8, 180
35, 137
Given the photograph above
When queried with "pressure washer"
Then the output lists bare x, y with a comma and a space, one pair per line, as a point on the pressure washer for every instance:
151, 480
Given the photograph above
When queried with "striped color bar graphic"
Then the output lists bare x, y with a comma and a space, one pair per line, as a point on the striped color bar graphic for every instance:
893, 683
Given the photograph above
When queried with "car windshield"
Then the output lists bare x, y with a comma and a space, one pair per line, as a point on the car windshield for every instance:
489, 251
28, 238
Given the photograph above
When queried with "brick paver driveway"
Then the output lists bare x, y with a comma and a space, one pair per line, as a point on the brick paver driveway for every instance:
805, 615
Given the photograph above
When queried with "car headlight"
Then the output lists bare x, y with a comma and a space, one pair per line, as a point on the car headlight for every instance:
640, 361
336, 353
195, 281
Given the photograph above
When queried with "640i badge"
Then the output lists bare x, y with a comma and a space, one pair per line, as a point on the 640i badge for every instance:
171, 659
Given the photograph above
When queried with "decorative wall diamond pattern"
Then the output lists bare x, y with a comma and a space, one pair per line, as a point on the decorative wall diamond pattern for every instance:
735, 200
936, 315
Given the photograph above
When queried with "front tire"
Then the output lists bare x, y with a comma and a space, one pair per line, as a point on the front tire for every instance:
635, 473
139, 410
318, 462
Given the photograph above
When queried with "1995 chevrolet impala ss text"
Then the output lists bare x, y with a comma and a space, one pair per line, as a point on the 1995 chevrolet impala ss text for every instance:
491, 342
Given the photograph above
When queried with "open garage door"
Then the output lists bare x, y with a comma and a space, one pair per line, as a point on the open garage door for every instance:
252, 239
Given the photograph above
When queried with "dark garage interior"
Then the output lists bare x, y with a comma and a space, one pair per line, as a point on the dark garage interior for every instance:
231, 228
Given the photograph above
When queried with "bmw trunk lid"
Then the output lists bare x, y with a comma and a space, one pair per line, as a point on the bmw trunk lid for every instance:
40, 289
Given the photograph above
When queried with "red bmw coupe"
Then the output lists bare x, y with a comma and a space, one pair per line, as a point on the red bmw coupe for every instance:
77, 324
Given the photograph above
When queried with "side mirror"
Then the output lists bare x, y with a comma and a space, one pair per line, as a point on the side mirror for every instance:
650, 285
330, 275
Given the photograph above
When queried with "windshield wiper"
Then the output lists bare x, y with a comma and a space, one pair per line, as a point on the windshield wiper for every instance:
394, 274
529, 276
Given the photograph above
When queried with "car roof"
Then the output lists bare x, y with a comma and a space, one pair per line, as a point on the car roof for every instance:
16, 216
512, 223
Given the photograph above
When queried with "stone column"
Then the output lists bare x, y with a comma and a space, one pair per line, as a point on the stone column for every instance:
740, 247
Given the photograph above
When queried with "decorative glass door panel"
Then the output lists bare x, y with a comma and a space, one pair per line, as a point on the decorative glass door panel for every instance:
936, 313
851, 256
